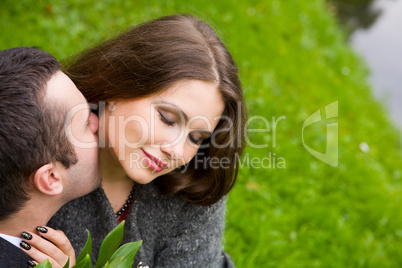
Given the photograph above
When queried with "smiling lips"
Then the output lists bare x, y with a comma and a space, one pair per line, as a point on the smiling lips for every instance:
153, 162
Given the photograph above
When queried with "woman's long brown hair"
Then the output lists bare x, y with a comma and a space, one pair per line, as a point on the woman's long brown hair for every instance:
150, 58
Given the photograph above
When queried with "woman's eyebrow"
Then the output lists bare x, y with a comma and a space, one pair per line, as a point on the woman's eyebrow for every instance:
177, 109
205, 133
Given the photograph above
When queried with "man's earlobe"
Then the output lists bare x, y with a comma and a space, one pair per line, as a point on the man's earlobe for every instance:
47, 180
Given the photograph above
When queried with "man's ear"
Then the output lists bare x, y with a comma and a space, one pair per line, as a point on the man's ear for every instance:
48, 180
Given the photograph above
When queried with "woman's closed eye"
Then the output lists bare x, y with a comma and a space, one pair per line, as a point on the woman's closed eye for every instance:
194, 140
165, 120
191, 137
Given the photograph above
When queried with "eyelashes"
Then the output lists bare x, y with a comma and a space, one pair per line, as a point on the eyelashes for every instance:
164, 120
172, 123
197, 142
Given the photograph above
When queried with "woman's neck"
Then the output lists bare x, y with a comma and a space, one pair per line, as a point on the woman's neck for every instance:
115, 182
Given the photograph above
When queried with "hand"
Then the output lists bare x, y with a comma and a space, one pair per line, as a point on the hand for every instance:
49, 244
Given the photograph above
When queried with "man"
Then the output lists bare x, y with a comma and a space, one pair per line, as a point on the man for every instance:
48, 154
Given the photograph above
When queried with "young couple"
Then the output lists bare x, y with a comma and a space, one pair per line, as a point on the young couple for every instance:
169, 104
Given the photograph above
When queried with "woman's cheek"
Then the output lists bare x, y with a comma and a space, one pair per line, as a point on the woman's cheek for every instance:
163, 134
135, 133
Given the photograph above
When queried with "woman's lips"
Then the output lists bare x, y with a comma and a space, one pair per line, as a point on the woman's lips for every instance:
153, 162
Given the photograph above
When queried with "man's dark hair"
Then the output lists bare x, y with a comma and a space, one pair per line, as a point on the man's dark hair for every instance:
32, 132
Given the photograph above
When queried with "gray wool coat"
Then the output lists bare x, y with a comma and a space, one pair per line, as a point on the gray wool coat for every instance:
175, 233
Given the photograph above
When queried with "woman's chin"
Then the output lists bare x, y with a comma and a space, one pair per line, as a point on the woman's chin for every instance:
144, 176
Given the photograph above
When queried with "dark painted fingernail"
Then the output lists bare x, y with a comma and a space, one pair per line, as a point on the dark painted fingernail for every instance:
25, 245
31, 264
26, 236
41, 229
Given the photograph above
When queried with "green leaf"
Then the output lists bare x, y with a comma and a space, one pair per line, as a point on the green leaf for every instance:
117, 262
87, 250
67, 264
124, 256
106, 265
84, 263
109, 245
44, 264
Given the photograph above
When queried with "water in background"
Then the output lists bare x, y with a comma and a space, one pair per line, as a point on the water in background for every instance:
375, 28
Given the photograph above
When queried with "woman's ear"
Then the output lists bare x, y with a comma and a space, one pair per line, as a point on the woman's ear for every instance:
48, 180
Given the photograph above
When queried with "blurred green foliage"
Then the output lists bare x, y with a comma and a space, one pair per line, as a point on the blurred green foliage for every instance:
293, 60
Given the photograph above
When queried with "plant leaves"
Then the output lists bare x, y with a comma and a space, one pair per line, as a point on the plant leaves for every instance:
84, 263
87, 250
109, 245
117, 262
67, 264
124, 256
44, 264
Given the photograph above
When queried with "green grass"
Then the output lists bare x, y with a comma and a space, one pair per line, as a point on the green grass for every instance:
293, 60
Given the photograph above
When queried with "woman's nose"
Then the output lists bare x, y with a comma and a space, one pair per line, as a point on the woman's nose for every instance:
175, 149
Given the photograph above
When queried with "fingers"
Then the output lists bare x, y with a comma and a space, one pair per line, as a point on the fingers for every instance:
32, 263
52, 245
37, 255
58, 238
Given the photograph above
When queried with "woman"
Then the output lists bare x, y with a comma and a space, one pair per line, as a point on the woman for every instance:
171, 116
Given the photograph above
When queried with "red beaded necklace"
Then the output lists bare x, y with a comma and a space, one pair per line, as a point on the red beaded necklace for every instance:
122, 213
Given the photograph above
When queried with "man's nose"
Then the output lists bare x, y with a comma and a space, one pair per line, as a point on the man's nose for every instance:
94, 123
